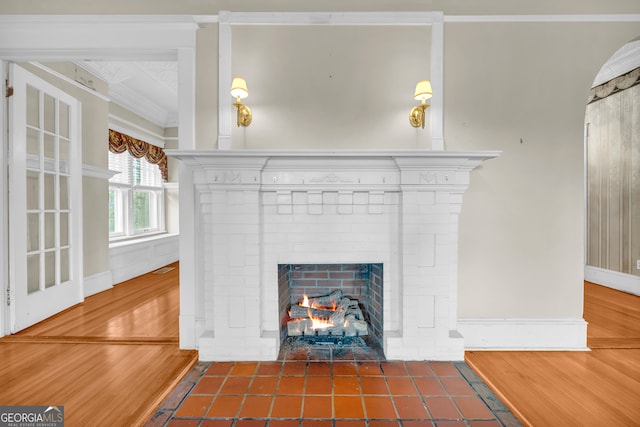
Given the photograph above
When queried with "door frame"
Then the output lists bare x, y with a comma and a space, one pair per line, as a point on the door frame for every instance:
25, 38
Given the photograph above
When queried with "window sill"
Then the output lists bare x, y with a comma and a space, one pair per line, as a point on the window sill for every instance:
132, 240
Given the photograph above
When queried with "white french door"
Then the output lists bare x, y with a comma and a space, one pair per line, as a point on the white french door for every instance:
45, 196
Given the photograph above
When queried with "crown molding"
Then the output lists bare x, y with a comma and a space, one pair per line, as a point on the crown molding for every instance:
543, 18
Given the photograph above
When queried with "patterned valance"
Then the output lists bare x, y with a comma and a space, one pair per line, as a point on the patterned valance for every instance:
623, 82
119, 143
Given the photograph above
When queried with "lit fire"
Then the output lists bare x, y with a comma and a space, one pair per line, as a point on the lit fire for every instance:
305, 303
317, 322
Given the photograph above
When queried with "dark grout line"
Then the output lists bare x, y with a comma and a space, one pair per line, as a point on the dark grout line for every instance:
166, 413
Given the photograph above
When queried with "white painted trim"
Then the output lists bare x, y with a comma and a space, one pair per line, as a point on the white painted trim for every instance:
171, 185
110, 37
149, 253
82, 37
128, 128
96, 172
331, 18
432, 19
70, 81
141, 106
613, 279
543, 18
4, 202
524, 334
97, 283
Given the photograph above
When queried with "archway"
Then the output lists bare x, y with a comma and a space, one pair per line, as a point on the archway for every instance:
612, 156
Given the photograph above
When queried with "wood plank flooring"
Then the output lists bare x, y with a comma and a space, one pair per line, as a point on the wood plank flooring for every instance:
596, 388
110, 361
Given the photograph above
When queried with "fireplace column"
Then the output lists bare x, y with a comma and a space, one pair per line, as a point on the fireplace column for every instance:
431, 202
230, 205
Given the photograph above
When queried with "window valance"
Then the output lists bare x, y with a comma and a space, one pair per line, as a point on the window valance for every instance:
119, 143
622, 82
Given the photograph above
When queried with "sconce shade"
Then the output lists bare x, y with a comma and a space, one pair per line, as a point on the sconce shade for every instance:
239, 88
423, 90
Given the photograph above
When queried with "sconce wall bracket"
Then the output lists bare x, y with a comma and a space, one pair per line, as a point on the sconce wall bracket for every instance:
416, 117
243, 116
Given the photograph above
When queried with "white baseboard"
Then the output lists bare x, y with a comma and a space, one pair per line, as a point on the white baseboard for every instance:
524, 334
97, 283
613, 279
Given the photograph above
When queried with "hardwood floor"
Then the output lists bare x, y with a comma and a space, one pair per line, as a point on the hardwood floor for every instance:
110, 361
596, 388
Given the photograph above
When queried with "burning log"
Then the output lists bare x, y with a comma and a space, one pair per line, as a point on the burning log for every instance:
328, 301
337, 318
331, 314
299, 312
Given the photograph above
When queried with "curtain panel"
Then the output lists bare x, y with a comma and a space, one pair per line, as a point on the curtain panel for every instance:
119, 143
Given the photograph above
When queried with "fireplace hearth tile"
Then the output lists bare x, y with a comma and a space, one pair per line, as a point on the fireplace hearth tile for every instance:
374, 385
402, 386
380, 407
423, 369
295, 368
345, 368
369, 369
291, 385
235, 385
208, 385
319, 369
430, 386
269, 368
286, 407
410, 407
393, 369
211, 423
221, 368
334, 393
348, 407
225, 406
264, 385
317, 407
256, 407
244, 369
346, 385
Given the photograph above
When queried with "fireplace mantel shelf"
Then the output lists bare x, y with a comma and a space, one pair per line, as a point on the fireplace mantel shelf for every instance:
203, 157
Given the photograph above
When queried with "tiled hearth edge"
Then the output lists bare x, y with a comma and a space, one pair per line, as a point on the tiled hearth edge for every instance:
492, 412
243, 212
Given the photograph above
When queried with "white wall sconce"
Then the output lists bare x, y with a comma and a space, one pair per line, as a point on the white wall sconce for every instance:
239, 91
423, 92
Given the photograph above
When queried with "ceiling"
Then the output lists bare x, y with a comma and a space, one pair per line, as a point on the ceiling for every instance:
149, 89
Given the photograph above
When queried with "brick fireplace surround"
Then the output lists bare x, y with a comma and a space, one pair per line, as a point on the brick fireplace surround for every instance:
254, 210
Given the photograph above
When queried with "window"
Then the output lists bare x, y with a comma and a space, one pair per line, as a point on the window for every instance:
136, 197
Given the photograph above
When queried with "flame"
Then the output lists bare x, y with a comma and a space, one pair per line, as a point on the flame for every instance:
319, 323
316, 322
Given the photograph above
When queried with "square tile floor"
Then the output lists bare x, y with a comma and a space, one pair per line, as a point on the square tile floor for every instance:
304, 391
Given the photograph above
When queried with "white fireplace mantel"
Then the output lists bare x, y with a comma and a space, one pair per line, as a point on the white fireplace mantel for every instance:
244, 212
